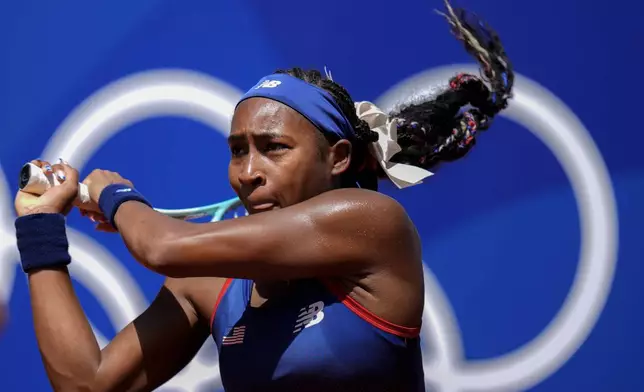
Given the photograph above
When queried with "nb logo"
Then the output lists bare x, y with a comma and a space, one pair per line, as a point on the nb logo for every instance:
446, 367
269, 84
310, 316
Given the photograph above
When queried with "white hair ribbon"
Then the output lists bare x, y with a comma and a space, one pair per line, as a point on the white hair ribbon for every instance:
401, 174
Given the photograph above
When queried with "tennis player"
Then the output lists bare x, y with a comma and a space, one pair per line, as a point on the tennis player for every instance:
320, 288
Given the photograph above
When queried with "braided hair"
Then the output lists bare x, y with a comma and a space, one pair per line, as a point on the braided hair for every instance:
437, 130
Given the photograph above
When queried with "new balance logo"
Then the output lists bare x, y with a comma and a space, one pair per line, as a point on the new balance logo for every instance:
235, 336
310, 316
269, 84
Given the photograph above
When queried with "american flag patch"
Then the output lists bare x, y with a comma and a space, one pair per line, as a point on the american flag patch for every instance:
235, 336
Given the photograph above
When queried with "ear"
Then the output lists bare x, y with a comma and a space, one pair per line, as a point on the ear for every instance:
340, 157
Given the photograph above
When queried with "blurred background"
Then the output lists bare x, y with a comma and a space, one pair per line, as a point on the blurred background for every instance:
533, 243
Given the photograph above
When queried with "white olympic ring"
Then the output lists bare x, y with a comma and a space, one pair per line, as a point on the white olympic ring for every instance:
552, 122
206, 99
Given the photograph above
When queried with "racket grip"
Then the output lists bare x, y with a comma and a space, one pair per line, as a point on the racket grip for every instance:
33, 180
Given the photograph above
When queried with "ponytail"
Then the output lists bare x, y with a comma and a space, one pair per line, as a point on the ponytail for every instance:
439, 129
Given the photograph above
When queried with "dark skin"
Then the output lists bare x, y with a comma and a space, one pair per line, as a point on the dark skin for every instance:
300, 226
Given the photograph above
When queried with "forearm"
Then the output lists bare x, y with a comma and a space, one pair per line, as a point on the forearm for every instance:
174, 248
144, 231
337, 233
300, 241
67, 344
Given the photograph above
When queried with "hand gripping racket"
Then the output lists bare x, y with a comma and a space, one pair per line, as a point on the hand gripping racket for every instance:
33, 180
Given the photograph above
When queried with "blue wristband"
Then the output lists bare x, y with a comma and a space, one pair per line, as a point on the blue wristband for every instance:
116, 194
42, 241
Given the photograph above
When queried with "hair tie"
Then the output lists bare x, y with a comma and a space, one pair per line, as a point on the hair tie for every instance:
402, 175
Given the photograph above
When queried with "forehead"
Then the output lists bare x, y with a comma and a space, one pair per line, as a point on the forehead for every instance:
264, 115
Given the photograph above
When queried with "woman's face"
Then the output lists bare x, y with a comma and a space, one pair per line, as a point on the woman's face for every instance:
278, 158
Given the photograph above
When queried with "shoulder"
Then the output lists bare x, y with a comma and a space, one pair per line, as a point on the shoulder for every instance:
369, 205
374, 215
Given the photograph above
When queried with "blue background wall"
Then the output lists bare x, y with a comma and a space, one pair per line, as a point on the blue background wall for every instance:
501, 228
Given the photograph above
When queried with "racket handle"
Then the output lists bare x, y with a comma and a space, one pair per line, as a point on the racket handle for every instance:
33, 180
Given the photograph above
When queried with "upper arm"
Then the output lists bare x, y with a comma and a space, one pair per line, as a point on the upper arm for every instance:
340, 232
155, 346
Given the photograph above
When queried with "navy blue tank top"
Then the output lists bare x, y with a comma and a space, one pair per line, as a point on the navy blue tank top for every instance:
315, 339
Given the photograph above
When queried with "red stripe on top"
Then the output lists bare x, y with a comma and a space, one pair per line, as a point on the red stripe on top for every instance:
222, 292
366, 315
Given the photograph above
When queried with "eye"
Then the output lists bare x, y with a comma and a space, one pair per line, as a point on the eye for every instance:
276, 146
237, 151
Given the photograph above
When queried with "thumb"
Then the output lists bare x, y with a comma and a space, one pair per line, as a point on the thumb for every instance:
106, 227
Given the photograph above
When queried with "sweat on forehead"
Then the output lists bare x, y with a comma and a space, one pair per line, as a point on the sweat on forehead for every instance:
270, 115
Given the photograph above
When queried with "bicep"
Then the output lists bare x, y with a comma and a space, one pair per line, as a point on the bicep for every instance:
155, 346
336, 233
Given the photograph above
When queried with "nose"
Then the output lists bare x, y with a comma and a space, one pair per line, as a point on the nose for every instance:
251, 174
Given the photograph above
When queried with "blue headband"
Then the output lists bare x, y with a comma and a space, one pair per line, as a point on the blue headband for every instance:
310, 101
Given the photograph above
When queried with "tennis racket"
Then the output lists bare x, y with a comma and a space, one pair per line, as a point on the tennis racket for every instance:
34, 180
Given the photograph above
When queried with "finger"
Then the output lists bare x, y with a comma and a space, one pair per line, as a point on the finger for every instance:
59, 171
44, 165
70, 173
94, 216
106, 227
99, 217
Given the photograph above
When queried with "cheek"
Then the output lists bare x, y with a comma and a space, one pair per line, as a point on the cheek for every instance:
315, 175
289, 176
233, 177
